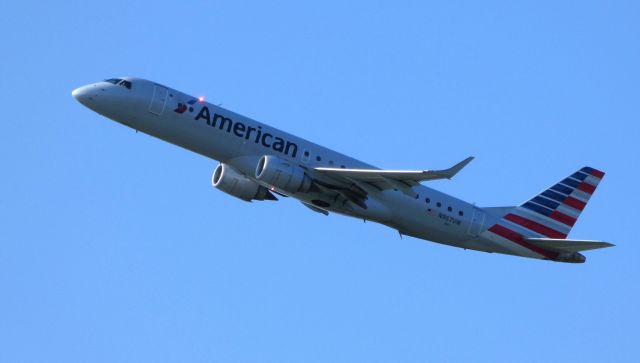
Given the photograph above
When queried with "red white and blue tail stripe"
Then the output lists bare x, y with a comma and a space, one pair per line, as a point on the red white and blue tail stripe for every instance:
554, 211
550, 214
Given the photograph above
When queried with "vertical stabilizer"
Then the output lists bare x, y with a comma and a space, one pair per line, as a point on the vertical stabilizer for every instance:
553, 212
542, 224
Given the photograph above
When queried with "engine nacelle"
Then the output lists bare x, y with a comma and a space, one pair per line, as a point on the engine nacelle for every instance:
283, 175
233, 183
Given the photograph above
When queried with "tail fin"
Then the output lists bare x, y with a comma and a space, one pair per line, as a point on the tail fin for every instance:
553, 212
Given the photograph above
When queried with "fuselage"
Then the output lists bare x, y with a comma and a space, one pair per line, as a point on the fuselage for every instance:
240, 142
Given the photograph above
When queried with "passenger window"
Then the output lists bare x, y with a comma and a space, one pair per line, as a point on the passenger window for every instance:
438, 204
427, 200
305, 156
449, 209
460, 213
318, 158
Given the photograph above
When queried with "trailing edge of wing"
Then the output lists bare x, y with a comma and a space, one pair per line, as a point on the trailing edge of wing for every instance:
568, 245
375, 175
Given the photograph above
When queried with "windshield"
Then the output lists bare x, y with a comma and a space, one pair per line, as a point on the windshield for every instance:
120, 82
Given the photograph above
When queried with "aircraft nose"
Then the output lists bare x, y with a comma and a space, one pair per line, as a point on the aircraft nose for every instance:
83, 94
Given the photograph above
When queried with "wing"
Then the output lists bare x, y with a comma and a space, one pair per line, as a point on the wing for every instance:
403, 180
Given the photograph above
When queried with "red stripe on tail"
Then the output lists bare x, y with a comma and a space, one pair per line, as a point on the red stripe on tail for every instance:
534, 226
574, 203
586, 187
561, 217
517, 238
597, 173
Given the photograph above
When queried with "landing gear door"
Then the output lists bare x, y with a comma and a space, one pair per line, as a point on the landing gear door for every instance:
158, 100
477, 221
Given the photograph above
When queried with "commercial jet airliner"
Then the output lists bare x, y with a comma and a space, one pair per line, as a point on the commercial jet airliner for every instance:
259, 162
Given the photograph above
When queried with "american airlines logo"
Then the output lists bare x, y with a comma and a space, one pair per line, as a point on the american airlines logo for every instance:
182, 107
239, 129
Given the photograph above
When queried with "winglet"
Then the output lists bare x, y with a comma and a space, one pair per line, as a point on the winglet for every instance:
452, 171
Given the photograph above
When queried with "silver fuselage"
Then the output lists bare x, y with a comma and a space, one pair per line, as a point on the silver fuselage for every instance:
151, 108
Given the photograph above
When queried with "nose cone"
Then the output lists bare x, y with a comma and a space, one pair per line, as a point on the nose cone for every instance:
83, 94
115, 101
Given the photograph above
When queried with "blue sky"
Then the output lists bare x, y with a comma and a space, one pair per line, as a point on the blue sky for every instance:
114, 247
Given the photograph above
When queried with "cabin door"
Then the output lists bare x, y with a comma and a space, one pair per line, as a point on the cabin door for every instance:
158, 100
476, 222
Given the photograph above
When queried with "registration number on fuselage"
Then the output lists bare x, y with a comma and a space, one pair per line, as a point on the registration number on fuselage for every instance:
449, 219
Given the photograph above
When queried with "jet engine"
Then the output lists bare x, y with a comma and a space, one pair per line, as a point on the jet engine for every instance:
232, 182
282, 174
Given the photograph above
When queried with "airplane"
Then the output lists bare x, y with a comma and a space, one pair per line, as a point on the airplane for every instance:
258, 162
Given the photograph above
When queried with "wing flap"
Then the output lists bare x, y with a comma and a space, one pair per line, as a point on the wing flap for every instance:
568, 245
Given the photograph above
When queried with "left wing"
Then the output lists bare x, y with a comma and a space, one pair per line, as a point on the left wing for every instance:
402, 180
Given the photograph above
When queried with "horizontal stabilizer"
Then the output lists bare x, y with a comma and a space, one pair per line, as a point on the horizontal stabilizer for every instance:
567, 245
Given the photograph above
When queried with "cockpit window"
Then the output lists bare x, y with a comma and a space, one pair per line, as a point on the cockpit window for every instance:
119, 82
125, 83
